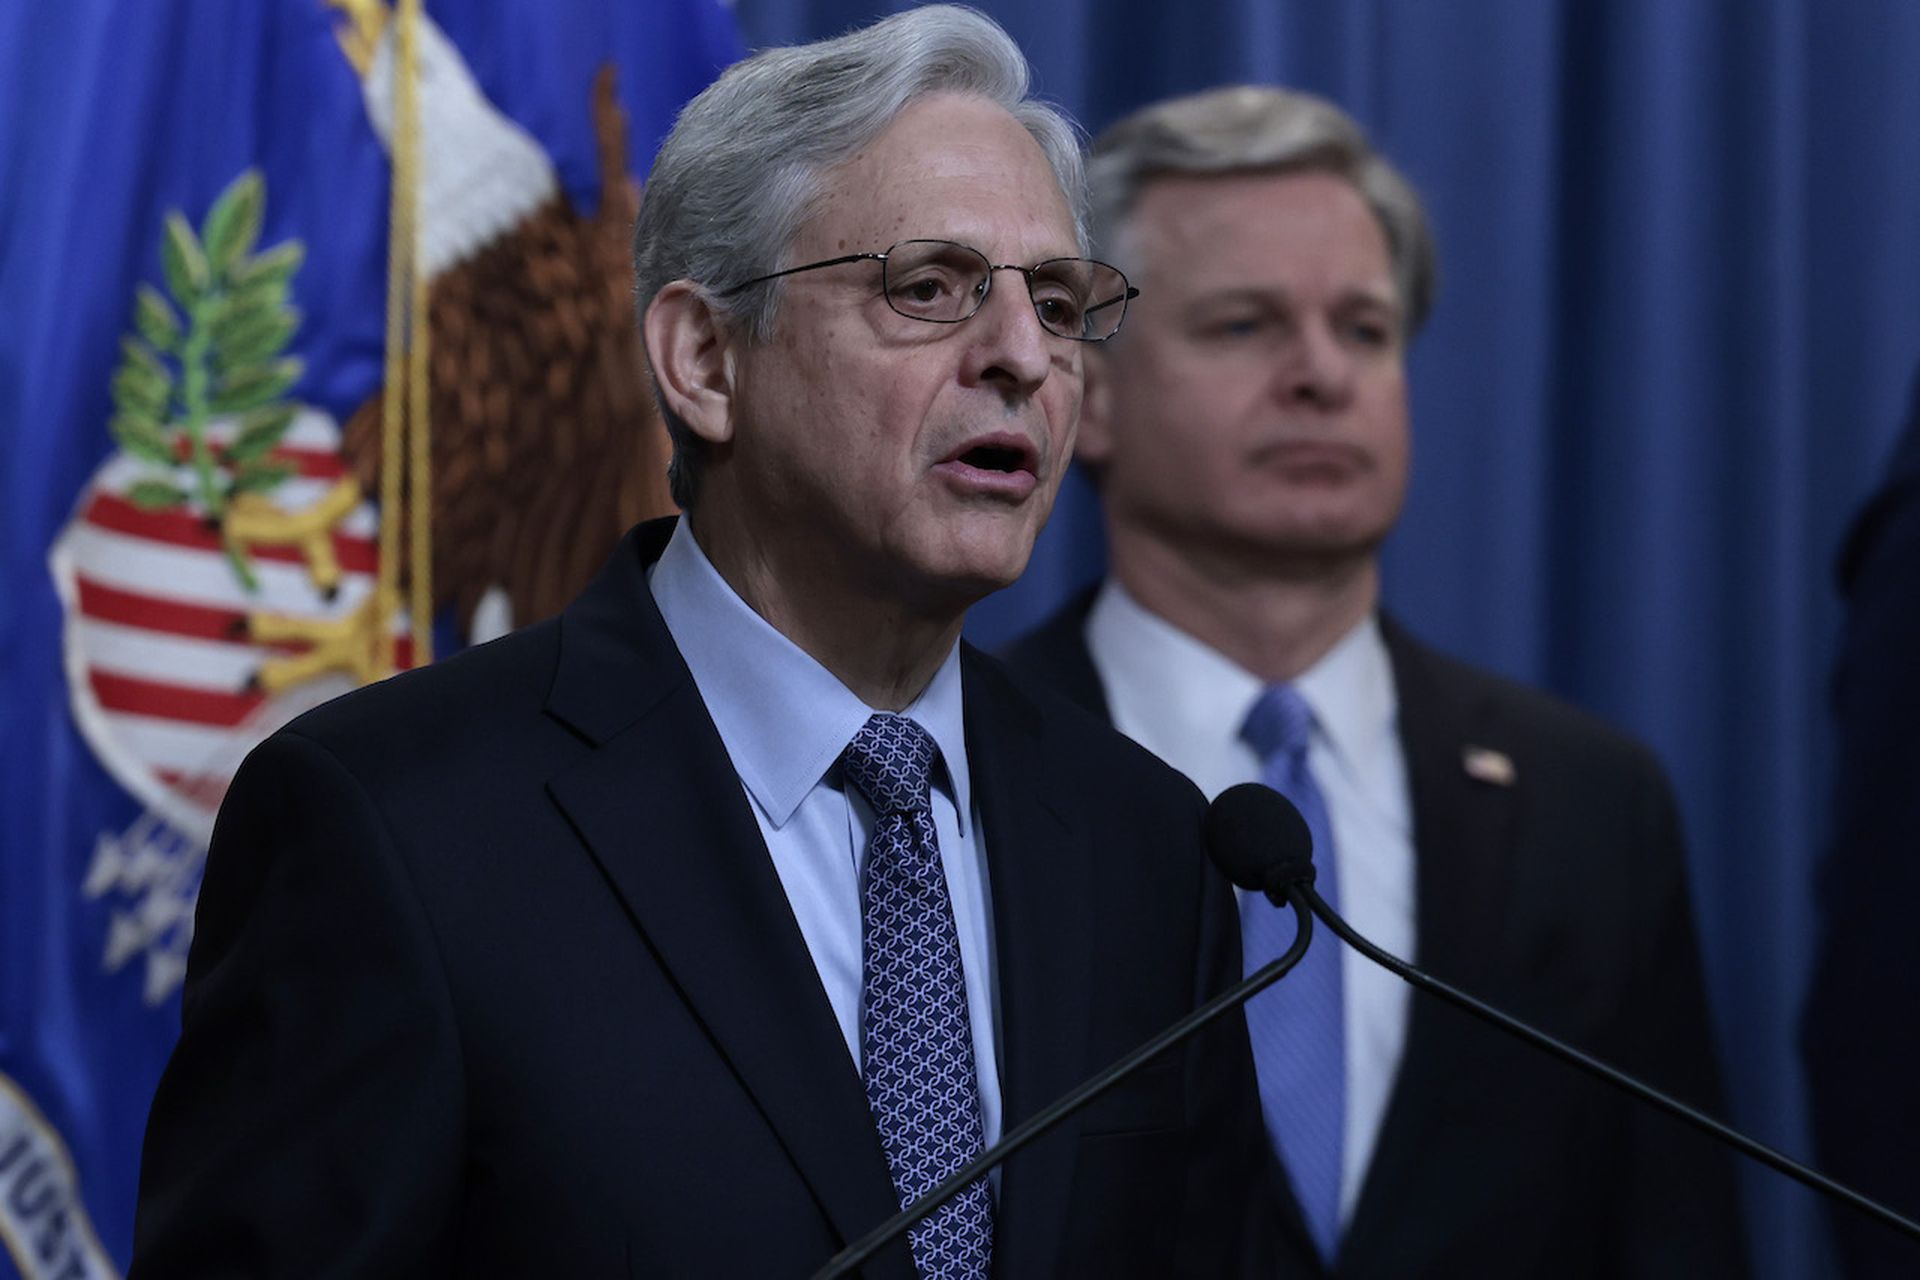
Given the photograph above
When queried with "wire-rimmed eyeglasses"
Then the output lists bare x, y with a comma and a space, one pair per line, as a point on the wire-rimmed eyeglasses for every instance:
943, 282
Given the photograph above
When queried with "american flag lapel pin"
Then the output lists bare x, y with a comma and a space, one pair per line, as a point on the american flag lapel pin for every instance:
1484, 764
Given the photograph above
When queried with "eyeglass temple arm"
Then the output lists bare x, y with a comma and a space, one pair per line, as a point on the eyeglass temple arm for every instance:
811, 266
1128, 296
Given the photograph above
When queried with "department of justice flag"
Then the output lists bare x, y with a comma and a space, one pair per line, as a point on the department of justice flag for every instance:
199, 297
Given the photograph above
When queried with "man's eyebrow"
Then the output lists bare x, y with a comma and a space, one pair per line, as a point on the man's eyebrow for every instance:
1239, 295
1369, 295
1276, 299
1277, 294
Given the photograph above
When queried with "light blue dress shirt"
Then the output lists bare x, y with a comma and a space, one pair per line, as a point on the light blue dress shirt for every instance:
784, 720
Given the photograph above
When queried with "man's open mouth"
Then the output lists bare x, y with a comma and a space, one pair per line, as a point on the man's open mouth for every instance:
1006, 454
993, 457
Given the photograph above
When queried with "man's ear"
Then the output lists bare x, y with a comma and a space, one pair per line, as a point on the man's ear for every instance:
1095, 441
690, 347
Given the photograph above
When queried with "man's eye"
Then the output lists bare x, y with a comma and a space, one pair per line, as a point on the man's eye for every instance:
1371, 334
1060, 311
1237, 327
932, 293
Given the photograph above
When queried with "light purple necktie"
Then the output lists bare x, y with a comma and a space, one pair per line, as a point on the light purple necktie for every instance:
1298, 1026
916, 1039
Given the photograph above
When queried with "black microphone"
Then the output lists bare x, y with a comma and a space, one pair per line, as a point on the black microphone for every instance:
1259, 843
1258, 839
1288, 846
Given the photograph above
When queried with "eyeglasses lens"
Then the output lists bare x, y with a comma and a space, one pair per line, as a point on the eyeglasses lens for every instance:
944, 282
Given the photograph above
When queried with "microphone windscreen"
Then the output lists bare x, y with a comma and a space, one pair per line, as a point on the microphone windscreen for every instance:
1258, 839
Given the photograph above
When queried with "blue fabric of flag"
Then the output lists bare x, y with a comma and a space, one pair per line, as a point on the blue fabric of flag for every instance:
111, 115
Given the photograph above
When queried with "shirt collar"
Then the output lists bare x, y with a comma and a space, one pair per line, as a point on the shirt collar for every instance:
783, 717
1353, 699
1199, 691
1187, 690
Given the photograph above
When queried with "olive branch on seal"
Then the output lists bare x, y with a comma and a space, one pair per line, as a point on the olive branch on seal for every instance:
213, 351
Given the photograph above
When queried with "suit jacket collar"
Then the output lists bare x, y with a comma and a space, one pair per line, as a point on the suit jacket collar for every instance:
1038, 864
1463, 825
1464, 847
1056, 654
658, 804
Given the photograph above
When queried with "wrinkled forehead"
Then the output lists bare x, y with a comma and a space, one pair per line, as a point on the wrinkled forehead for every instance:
949, 167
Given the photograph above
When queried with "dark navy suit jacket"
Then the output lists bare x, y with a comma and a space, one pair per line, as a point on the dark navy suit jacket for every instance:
1862, 1030
1562, 899
493, 976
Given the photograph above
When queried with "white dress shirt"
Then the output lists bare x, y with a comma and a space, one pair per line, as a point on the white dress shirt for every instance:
784, 720
1185, 702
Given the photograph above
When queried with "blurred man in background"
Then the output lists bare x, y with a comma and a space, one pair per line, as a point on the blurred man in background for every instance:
1249, 437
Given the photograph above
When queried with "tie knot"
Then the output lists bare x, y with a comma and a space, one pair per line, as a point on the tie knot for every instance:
1279, 723
891, 761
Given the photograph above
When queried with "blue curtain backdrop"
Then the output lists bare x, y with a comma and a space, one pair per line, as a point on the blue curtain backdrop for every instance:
1679, 311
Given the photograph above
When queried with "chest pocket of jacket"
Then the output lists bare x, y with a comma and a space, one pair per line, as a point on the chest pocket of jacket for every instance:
1151, 1100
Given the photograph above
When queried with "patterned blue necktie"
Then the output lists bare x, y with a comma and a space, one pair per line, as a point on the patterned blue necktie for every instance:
916, 1039
1298, 1026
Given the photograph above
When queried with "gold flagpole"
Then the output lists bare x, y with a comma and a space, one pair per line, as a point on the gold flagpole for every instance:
404, 421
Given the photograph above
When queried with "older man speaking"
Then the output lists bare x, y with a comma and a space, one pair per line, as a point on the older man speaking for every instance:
697, 931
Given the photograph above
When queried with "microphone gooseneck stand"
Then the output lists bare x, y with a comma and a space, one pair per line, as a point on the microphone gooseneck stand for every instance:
1254, 837
1593, 1066
844, 1262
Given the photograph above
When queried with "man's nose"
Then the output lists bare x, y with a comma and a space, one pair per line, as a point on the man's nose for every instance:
1010, 346
1317, 368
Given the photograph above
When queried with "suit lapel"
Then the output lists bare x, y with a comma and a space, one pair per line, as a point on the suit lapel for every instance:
1463, 841
1462, 825
1056, 654
1036, 863
659, 805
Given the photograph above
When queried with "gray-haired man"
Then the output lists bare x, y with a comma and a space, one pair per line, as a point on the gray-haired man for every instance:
695, 932
1249, 435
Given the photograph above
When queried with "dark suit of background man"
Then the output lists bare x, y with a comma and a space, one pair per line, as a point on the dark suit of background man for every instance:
650, 941
1249, 436
1861, 1035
